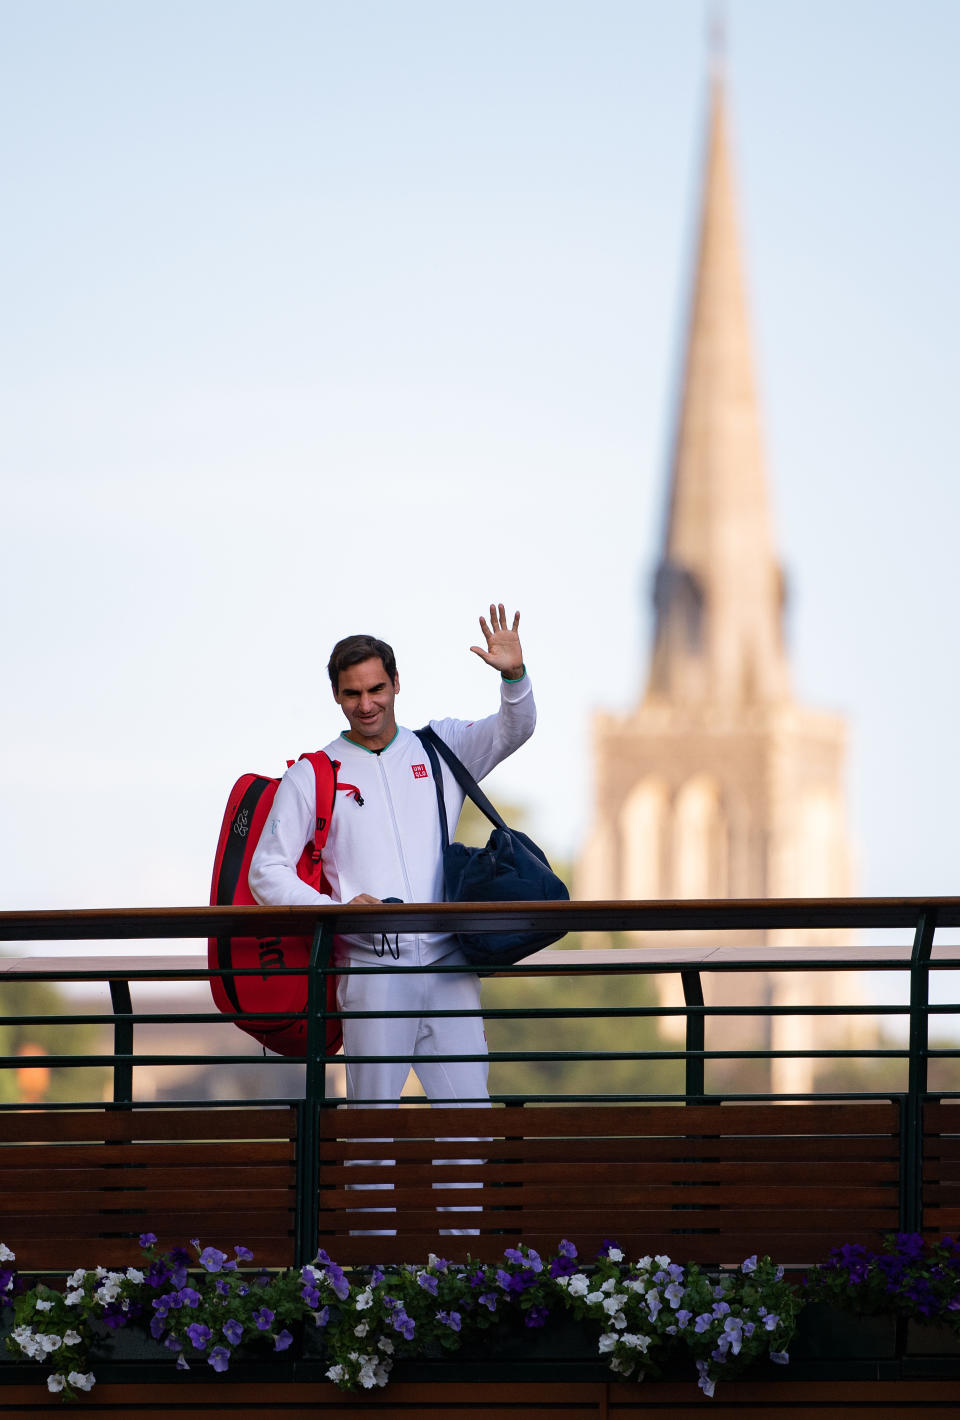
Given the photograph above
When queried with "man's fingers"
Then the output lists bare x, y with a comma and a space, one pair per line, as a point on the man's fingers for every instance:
516, 620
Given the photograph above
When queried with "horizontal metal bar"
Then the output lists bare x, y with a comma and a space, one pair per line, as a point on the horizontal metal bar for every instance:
662, 916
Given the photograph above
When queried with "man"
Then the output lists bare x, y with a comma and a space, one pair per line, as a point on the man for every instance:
384, 842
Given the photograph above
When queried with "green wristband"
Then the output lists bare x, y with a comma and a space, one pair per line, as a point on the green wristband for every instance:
517, 679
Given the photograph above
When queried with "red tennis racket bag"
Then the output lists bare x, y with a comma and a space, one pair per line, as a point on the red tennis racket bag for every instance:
247, 809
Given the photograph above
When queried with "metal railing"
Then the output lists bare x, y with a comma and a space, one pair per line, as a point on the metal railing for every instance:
702, 952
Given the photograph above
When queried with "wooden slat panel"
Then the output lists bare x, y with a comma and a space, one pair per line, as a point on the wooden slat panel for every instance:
214, 1175
108, 1201
612, 1177
619, 1201
205, 1153
637, 1150
559, 1221
617, 1121
127, 1124
62, 1255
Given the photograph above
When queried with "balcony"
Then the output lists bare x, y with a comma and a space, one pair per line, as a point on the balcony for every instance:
688, 1160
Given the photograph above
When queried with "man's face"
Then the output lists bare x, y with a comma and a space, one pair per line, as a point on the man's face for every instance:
365, 695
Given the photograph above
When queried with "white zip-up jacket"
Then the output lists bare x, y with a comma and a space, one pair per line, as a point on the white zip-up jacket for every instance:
389, 845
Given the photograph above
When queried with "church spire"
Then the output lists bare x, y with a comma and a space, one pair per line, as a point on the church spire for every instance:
718, 592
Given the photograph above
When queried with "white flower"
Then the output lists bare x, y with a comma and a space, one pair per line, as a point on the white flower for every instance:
81, 1381
74, 1298
335, 1374
364, 1300
645, 1263
609, 1285
71, 1338
593, 1298
99, 1272
662, 1260
133, 1274
56, 1382
108, 1291
27, 1341
614, 1254
619, 1321
607, 1342
5, 1254
623, 1364
613, 1304
578, 1285
49, 1343
76, 1278
44, 1306
362, 1329
386, 1345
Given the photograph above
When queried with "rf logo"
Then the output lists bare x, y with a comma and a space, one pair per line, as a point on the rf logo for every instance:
241, 823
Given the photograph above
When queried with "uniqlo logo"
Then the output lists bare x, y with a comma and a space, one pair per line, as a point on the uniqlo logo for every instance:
419, 771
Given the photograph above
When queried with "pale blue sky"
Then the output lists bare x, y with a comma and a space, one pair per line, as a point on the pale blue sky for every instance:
321, 317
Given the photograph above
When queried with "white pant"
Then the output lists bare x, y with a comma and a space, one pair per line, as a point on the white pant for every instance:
417, 1040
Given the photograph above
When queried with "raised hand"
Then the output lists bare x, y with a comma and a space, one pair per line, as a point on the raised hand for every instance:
503, 644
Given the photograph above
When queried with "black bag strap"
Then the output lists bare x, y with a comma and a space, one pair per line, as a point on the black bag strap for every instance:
432, 742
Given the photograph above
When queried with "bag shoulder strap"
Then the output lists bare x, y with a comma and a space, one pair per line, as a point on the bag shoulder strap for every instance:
325, 769
432, 742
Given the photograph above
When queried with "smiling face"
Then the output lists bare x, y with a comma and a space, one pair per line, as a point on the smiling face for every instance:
365, 694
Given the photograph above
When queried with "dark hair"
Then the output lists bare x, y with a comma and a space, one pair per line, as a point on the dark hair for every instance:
352, 650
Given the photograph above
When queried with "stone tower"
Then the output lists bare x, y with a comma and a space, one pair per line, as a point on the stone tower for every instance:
718, 783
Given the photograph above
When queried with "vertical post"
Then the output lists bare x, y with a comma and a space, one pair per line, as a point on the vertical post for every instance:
912, 1124
695, 1037
308, 1141
122, 1040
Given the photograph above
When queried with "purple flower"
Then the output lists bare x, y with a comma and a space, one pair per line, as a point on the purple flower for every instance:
199, 1334
233, 1330
263, 1318
323, 1316
536, 1316
428, 1283
147, 1239
310, 1295
158, 1326
189, 1296
563, 1266
182, 1363
750, 1265
488, 1299
244, 1253
219, 1358
513, 1254
222, 1287
212, 1259
451, 1319
282, 1340
172, 1343
156, 1274
477, 1279
567, 1249
781, 1358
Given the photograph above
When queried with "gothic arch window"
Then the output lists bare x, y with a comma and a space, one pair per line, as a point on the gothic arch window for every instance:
642, 825
699, 848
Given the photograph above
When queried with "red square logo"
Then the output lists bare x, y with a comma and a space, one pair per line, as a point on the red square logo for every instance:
419, 771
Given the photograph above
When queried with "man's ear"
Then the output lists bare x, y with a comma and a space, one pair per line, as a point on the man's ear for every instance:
396, 685
336, 693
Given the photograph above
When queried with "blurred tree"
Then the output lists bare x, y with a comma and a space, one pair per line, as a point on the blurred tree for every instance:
593, 1034
66, 1083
